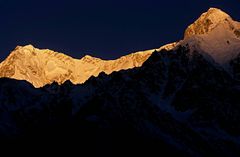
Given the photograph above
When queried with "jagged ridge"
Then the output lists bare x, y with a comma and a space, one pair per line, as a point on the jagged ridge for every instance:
41, 67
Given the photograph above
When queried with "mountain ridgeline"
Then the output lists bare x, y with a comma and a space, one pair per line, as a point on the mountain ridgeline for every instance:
42, 67
178, 100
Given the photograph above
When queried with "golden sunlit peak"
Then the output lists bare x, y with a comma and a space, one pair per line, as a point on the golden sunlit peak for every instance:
216, 13
207, 22
214, 9
29, 46
88, 56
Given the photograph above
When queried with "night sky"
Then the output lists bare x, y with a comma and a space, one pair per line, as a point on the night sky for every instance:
106, 29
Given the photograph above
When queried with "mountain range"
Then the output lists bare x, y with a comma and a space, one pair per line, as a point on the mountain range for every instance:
178, 100
42, 67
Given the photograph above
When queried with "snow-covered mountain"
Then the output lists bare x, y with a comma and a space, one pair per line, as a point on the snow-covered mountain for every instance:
216, 34
41, 67
181, 102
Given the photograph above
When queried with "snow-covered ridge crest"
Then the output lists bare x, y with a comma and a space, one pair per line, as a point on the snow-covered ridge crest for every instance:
41, 67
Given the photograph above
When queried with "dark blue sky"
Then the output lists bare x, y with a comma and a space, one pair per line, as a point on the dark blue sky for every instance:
106, 29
